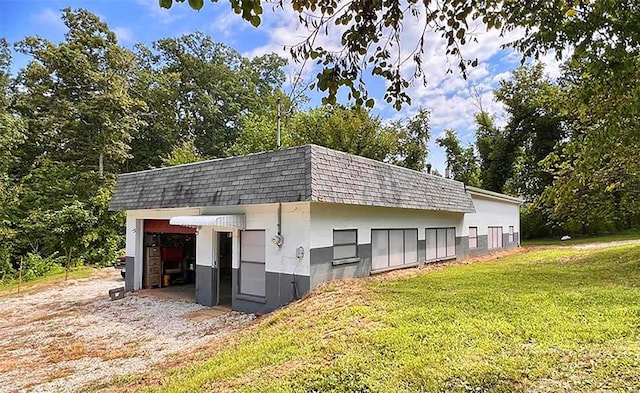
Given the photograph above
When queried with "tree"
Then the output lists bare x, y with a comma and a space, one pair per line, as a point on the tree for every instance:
349, 129
596, 170
535, 125
413, 141
199, 90
184, 154
497, 152
461, 160
372, 39
75, 95
11, 138
74, 101
71, 225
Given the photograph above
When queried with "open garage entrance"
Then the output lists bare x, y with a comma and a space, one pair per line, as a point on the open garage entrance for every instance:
169, 262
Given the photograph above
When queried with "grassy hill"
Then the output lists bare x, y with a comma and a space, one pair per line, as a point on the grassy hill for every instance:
553, 320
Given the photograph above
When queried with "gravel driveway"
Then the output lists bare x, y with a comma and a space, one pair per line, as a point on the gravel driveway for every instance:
70, 335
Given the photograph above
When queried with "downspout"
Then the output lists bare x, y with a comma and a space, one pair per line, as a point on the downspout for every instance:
279, 219
279, 225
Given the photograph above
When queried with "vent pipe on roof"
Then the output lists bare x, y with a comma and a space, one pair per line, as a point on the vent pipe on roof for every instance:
279, 116
447, 172
429, 168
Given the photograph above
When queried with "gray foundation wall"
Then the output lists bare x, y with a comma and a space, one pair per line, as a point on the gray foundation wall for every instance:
323, 267
283, 288
206, 281
130, 274
463, 250
280, 289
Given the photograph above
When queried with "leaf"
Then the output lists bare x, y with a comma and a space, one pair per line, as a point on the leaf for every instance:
369, 103
255, 20
196, 4
165, 3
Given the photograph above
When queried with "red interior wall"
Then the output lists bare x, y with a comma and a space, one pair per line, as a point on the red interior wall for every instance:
163, 226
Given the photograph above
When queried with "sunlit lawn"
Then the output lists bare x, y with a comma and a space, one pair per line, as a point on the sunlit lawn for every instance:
549, 320
11, 288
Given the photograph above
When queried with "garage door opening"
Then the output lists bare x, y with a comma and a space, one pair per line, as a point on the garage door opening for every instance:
169, 262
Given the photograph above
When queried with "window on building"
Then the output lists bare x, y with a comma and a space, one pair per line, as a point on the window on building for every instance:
252, 263
393, 248
511, 234
473, 237
441, 243
345, 244
494, 237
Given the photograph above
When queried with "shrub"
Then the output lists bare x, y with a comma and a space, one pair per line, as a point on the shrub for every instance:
34, 265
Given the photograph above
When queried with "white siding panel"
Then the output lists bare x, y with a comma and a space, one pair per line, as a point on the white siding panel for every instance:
451, 242
431, 245
380, 250
410, 246
441, 241
396, 247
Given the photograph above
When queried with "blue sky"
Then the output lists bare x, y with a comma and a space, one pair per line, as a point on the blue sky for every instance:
447, 96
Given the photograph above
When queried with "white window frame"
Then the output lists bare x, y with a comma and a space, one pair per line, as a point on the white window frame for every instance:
511, 232
473, 240
262, 291
494, 237
438, 256
355, 244
404, 231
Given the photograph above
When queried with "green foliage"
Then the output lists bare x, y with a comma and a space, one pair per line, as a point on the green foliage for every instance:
466, 328
461, 160
535, 125
413, 140
75, 96
185, 154
259, 133
199, 90
34, 266
352, 130
371, 31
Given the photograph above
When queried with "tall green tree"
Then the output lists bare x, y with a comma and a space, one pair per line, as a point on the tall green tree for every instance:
413, 137
11, 138
75, 95
534, 123
200, 90
461, 160
596, 171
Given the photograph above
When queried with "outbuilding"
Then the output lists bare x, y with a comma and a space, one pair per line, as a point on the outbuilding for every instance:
258, 231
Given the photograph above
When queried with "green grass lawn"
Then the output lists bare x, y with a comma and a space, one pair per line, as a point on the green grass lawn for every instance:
627, 235
552, 320
57, 277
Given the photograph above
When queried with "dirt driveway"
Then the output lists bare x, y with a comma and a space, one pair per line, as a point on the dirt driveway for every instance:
62, 338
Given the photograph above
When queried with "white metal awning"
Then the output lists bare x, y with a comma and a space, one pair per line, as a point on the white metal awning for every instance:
226, 221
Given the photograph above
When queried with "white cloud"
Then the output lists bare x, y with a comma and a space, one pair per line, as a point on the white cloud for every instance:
51, 18
124, 34
162, 15
451, 99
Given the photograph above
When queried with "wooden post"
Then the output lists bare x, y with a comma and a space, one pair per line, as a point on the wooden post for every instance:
20, 274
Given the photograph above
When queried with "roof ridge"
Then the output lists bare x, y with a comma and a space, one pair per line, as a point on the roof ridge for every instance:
214, 160
440, 178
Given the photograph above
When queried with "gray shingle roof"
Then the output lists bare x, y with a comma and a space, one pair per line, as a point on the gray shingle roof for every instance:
306, 173
344, 178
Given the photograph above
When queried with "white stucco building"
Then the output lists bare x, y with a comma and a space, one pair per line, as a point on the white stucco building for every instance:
260, 230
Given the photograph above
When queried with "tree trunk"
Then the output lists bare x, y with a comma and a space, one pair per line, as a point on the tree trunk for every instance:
101, 164
66, 273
